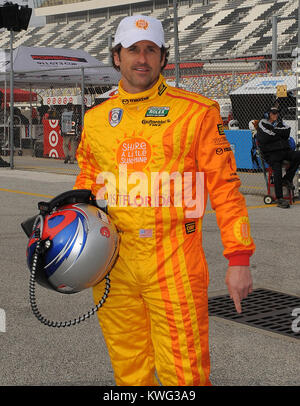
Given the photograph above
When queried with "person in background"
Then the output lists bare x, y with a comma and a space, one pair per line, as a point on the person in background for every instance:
51, 114
273, 141
35, 116
68, 132
42, 110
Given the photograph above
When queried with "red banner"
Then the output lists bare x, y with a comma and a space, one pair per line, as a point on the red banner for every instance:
53, 141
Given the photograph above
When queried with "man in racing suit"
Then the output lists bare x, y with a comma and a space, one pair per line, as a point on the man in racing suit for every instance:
154, 153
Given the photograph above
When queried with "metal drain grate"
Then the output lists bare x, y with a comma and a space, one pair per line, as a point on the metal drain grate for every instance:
265, 309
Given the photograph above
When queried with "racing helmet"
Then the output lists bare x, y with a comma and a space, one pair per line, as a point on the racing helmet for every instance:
80, 246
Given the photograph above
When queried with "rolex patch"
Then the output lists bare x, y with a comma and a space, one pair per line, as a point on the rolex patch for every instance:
157, 112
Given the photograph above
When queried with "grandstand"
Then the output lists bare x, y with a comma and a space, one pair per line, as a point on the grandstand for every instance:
211, 34
208, 29
222, 43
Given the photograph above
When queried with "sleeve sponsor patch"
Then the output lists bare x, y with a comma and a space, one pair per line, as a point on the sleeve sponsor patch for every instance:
241, 230
220, 129
219, 151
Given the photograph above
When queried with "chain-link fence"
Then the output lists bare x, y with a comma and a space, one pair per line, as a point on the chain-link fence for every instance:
244, 89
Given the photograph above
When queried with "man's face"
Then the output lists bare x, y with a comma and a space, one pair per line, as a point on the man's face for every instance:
273, 117
140, 66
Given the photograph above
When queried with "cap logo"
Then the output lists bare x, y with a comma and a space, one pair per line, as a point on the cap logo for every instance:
142, 24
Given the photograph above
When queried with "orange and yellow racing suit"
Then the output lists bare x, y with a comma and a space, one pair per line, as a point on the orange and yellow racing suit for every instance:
155, 156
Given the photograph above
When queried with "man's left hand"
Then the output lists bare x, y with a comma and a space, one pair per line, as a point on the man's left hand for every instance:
239, 283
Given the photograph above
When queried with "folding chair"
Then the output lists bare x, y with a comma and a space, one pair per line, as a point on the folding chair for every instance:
270, 197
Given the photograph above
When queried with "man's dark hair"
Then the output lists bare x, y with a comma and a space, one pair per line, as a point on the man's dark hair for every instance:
117, 50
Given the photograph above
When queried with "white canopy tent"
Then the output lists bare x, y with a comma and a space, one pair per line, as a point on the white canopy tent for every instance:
252, 99
45, 66
266, 85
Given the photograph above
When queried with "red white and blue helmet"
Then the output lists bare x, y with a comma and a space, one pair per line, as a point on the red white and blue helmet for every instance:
81, 246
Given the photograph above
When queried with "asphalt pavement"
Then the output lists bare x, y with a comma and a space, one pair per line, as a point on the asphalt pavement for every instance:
33, 354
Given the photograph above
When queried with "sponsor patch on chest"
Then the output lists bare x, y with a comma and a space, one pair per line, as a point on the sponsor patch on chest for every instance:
115, 116
190, 227
157, 111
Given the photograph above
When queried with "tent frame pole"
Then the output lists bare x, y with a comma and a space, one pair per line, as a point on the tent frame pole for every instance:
82, 96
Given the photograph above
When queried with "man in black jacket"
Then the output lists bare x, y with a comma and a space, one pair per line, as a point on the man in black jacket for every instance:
273, 140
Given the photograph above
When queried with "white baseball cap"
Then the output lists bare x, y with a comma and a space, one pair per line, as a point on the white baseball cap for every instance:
139, 28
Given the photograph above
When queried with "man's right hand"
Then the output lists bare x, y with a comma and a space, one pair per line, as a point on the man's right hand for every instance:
239, 284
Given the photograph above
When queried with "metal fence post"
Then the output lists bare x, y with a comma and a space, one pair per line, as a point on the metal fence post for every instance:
274, 45
109, 48
298, 116
176, 43
298, 98
11, 124
30, 121
82, 97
